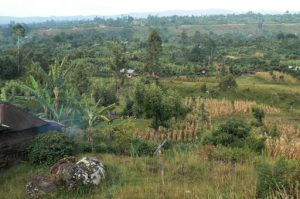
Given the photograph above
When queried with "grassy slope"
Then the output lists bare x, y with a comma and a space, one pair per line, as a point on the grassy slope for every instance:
188, 172
187, 175
283, 95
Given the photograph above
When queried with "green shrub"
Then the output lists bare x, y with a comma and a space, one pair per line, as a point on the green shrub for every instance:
48, 148
120, 141
85, 148
107, 94
255, 144
142, 147
235, 133
276, 179
101, 148
228, 82
128, 110
231, 133
259, 115
204, 88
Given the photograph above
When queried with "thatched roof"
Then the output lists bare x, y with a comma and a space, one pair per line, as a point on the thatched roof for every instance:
13, 118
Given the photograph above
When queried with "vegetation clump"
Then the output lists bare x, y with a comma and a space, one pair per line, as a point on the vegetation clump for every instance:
235, 133
228, 82
48, 148
259, 115
280, 179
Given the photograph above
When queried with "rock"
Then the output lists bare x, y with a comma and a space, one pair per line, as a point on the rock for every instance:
86, 171
68, 172
40, 186
94, 169
55, 167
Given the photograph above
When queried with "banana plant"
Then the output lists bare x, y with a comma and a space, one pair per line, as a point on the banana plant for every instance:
94, 113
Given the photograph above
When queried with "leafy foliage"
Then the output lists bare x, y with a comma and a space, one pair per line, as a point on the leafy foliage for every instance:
8, 68
259, 115
228, 82
141, 147
276, 178
48, 148
152, 102
154, 49
230, 133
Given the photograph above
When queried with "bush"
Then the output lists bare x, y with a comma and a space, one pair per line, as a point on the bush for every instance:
107, 94
48, 148
142, 147
228, 82
204, 88
256, 145
231, 133
8, 68
101, 148
128, 110
85, 148
259, 115
277, 179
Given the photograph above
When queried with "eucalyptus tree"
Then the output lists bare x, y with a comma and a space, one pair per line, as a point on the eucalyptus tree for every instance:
19, 31
153, 52
118, 62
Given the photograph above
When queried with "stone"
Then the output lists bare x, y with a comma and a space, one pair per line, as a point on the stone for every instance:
86, 171
55, 167
40, 186
93, 169
68, 172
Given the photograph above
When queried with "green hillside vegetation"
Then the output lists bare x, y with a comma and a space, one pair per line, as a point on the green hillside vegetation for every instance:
221, 92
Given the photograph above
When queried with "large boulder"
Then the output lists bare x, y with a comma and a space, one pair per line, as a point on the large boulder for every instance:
86, 171
68, 172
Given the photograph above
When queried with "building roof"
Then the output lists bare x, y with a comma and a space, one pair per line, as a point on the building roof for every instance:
13, 118
128, 71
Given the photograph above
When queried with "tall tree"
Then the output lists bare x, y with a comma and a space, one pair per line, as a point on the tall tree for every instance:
118, 62
160, 106
19, 31
154, 49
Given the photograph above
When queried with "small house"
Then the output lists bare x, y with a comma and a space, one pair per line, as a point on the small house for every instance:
128, 72
18, 129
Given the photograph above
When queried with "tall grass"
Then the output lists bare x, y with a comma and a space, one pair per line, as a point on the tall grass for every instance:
187, 175
287, 143
191, 126
276, 77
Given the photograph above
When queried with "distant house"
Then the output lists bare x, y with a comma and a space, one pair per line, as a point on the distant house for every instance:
18, 128
128, 72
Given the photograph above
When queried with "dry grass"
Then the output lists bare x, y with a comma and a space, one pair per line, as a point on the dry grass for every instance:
189, 128
225, 107
288, 142
278, 77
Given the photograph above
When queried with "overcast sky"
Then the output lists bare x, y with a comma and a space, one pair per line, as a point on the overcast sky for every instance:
23, 8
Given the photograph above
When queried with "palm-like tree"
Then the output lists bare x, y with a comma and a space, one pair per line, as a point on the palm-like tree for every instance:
47, 90
94, 112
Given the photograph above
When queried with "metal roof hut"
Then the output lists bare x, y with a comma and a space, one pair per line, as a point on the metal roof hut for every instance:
18, 128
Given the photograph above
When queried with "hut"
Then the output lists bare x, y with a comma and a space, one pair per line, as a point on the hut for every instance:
18, 128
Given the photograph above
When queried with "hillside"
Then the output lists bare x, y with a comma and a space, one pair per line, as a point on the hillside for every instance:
173, 106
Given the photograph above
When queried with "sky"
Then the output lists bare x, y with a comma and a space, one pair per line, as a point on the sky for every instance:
25, 8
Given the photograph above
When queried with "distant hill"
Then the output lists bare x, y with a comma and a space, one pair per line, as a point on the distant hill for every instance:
8, 19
